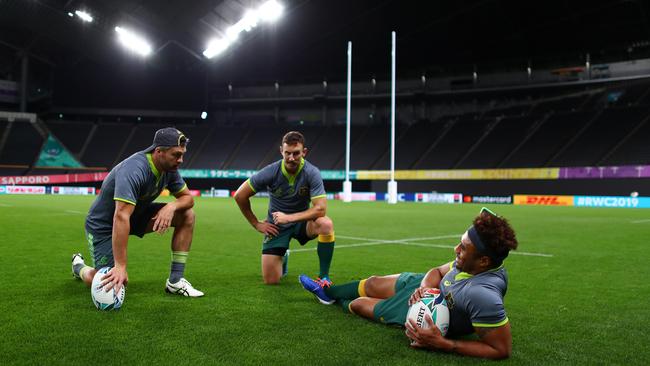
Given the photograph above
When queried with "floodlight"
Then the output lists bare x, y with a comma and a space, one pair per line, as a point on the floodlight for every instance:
249, 21
204, 115
133, 42
270, 11
84, 16
70, 14
215, 47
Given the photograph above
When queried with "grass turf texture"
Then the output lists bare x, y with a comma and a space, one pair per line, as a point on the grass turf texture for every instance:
587, 304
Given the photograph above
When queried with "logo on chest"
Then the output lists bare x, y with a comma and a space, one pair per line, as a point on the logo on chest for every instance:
450, 300
303, 191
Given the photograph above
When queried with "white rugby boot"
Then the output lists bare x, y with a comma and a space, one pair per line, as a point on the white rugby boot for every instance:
183, 287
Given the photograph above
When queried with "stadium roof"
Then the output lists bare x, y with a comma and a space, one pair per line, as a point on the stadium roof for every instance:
309, 42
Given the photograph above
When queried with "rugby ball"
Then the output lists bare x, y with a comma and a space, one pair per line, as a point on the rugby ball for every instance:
105, 300
434, 305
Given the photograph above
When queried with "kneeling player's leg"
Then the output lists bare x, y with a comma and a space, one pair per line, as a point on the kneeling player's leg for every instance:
324, 228
271, 268
101, 252
82, 271
273, 251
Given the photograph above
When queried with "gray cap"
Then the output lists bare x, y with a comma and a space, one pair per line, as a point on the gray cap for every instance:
168, 137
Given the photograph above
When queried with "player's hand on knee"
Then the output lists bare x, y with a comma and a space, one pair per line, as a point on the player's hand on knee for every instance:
163, 219
267, 228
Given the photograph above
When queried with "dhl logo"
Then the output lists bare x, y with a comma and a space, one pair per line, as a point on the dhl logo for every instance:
544, 200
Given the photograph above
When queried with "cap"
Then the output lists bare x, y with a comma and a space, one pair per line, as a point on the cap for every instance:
168, 137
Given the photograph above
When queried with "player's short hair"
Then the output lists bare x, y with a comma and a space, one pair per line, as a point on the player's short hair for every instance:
293, 137
496, 233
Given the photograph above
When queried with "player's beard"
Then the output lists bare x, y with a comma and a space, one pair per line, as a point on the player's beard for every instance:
291, 166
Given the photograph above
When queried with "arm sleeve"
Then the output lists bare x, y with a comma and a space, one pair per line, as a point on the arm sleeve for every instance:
262, 179
485, 308
127, 185
176, 183
316, 187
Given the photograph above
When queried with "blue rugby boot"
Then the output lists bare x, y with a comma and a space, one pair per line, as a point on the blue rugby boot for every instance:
317, 287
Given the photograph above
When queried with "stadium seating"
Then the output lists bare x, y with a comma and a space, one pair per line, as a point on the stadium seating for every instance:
505, 135
549, 137
598, 126
72, 135
23, 144
460, 137
217, 147
105, 144
330, 148
591, 144
634, 149
254, 146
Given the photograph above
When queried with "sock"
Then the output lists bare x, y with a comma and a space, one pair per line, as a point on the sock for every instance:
345, 304
80, 268
346, 291
178, 266
285, 263
325, 250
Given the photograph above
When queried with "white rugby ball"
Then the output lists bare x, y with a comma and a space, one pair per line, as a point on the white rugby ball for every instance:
433, 305
105, 300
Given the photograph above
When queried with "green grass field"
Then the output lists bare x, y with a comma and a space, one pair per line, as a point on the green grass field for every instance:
583, 300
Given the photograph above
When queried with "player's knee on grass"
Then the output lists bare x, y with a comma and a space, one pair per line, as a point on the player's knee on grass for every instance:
88, 276
272, 277
271, 269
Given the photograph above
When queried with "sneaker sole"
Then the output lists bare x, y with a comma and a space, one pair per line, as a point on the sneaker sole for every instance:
324, 302
182, 295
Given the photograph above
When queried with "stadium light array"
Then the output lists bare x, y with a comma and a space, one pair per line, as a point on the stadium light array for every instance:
84, 16
133, 42
270, 11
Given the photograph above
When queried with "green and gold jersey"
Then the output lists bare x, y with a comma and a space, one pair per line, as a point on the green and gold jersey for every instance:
136, 181
288, 193
474, 300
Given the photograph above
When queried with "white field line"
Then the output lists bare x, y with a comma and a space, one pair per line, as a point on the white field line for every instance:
409, 242
640, 221
409, 239
5, 205
75, 212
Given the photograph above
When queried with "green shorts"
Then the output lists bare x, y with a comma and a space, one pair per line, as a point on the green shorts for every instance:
100, 244
393, 310
278, 245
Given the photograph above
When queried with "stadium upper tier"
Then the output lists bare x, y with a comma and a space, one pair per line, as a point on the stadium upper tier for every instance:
604, 125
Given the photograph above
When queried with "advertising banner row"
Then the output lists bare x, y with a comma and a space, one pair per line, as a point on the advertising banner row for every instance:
84, 191
608, 172
429, 197
583, 201
605, 172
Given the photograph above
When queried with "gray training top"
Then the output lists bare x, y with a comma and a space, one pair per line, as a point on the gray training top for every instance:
474, 300
136, 181
289, 193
